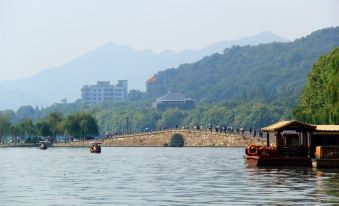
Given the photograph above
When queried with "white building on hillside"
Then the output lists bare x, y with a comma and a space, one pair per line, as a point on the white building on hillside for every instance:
103, 90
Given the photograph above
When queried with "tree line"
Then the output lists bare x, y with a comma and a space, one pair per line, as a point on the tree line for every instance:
137, 116
78, 124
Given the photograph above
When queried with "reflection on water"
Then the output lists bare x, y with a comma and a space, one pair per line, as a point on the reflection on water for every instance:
155, 176
330, 185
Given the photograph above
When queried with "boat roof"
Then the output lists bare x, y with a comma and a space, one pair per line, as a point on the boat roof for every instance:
281, 125
327, 128
286, 124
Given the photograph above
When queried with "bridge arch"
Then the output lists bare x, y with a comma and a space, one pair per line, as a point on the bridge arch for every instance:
177, 140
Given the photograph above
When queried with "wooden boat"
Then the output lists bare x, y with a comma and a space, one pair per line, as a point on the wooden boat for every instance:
272, 156
295, 145
43, 145
95, 147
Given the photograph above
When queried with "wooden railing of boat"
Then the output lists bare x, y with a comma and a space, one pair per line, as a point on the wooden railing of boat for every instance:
295, 151
327, 152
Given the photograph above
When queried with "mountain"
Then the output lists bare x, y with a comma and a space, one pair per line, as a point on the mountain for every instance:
109, 62
319, 103
14, 98
274, 72
261, 38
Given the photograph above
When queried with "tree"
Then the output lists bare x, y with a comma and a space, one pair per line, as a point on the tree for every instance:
88, 124
43, 128
81, 124
5, 126
134, 95
26, 127
15, 132
10, 113
319, 103
54, 121
28, 112
171, 118
84, 127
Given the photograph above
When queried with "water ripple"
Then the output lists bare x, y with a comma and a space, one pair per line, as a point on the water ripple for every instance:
155, 176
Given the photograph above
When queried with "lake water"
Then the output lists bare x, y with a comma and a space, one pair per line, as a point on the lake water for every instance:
155, 176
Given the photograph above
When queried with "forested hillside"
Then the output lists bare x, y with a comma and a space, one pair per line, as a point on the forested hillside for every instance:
319, 103
274, 72
249, 87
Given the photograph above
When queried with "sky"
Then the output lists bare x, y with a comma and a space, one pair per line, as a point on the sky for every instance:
40, 34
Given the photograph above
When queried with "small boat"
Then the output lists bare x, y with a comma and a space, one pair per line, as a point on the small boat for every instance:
43, 145
95, 147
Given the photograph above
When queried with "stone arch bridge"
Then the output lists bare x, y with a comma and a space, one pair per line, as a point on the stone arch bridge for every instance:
179, 138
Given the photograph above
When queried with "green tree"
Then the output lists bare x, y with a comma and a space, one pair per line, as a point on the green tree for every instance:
15, 132
26, 127
170, 118
319, 103
28, 112
43, 128
55, 123
5, 126
81, 124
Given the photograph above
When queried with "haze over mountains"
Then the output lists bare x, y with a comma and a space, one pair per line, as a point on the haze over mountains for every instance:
109, 62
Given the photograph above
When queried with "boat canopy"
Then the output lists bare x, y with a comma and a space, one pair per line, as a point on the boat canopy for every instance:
327, 129
289, 125
293, 126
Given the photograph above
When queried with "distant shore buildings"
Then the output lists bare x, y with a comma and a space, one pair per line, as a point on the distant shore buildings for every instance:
173, 100
103, 91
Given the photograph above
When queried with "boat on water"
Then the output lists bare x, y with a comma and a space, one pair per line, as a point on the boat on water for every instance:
297, 144
43, 145
95, 147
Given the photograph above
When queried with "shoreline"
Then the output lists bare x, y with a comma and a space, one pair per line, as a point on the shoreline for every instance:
60, 145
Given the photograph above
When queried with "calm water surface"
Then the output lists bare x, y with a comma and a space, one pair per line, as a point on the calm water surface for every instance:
155, 176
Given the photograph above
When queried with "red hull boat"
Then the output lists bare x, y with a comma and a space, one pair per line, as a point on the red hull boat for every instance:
269, 156
253, 161
297, 144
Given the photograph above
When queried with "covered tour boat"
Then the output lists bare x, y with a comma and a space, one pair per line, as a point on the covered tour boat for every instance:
43, 145
95, 147
297, 144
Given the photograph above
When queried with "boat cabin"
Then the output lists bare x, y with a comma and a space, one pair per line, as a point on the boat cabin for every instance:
302, 143
43, 145
95, 147
301, 139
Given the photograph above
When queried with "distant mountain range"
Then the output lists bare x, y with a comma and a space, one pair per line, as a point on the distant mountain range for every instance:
109, 62
269, 73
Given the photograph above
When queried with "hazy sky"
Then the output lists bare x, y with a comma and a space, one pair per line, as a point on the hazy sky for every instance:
36, 35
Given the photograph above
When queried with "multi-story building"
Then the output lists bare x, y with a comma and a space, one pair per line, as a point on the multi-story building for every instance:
103, 90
